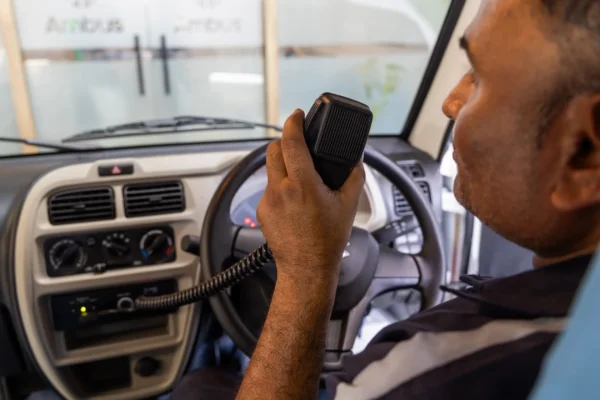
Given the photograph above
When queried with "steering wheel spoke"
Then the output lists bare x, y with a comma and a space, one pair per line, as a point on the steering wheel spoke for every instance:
396, 269
341, 334
247, 240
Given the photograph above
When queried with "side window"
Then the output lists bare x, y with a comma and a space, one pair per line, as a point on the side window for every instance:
8, 123
457, 224
374, 51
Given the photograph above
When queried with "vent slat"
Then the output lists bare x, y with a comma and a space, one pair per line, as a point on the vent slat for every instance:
138, 202
76, 196
156, 208
86, 217
80, 198
401, 206
153, 198
81, 205
59, 204
151, 204
164, 197
415, 170
144, 192
87, 210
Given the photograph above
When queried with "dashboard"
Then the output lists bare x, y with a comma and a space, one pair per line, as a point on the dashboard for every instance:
85, 233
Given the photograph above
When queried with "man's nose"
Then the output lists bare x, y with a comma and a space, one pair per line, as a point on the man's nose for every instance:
458, 96
451, 107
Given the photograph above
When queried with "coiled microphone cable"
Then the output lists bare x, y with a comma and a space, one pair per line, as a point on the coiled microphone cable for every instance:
224, 280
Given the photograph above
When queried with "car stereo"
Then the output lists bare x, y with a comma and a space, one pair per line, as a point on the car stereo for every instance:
75, 310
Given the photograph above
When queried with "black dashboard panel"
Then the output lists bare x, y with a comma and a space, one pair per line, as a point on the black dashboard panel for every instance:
99, 251
74, 310
406, 155
29, 168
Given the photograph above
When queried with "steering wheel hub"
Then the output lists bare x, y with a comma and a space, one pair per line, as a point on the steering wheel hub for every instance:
359, 263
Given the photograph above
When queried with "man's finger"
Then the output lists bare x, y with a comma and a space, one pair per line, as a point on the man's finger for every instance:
276, 171
355, 182
298, 162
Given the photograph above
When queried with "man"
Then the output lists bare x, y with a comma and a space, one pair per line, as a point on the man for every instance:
527, 146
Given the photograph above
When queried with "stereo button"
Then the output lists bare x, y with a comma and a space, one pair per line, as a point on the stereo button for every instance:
125, 303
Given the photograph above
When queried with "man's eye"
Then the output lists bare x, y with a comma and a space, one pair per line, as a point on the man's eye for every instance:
474, 82
472, 77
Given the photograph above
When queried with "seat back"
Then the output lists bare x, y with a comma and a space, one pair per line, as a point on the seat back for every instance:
570, 370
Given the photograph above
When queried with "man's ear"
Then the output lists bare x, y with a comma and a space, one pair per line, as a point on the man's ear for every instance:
578, 183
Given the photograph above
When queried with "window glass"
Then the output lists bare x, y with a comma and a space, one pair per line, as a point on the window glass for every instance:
91, 64
375, 51
97, 63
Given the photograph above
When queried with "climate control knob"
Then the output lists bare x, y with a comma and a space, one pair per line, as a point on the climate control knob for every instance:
116, 246
156, 246
67, 254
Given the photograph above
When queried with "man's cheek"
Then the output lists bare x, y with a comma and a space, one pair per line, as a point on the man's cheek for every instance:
477, 132
465, 134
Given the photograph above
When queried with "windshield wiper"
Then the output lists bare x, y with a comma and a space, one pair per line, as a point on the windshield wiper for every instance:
169, 125
47, 145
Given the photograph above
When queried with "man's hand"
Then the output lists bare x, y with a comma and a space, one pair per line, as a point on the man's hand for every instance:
306, 224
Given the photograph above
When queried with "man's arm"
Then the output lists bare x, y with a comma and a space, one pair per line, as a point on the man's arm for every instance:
287, 361
307, 227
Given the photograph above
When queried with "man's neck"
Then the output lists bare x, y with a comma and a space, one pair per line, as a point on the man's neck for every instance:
539, 262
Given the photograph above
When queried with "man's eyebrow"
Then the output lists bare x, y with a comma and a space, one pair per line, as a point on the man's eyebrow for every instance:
463, 43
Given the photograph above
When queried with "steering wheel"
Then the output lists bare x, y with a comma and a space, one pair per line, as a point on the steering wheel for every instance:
367, 269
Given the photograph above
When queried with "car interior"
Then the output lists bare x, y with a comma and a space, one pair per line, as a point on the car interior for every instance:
132, 161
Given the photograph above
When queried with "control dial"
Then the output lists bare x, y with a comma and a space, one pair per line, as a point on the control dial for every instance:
116, 246
156, 246
67, 254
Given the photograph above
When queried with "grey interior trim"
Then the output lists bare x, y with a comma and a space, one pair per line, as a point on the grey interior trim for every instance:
475, 247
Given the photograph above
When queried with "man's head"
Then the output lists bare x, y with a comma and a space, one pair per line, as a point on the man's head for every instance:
527, 132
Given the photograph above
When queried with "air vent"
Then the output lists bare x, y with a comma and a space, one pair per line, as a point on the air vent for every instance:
415, 170
153, 198
401, 205
81, 205
425, 189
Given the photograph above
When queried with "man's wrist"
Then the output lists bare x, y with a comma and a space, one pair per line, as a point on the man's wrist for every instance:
314, 275
313, 282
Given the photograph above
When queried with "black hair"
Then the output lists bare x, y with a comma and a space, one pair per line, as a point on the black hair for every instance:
577, 12
575, 26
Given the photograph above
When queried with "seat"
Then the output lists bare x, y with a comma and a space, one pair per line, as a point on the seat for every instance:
570, 369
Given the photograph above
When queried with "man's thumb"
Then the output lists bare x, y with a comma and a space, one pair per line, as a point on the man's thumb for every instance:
355, 182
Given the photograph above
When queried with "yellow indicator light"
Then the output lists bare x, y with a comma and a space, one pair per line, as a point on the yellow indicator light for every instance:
83, 310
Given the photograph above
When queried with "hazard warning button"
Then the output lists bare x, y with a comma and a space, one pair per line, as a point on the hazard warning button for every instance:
112, 170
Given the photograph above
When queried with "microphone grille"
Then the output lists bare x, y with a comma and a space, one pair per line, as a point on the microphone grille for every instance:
345, 133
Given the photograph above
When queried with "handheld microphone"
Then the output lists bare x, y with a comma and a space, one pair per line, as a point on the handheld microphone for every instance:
336, 130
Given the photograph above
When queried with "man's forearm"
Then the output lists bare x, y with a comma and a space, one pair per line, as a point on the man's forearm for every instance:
287, 361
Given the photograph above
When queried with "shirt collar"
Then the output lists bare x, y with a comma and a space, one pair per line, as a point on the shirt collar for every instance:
542, 292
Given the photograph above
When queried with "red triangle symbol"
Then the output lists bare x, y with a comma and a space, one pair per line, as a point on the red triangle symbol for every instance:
116, 170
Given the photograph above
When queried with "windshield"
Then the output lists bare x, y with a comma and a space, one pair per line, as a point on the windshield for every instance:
80, 65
